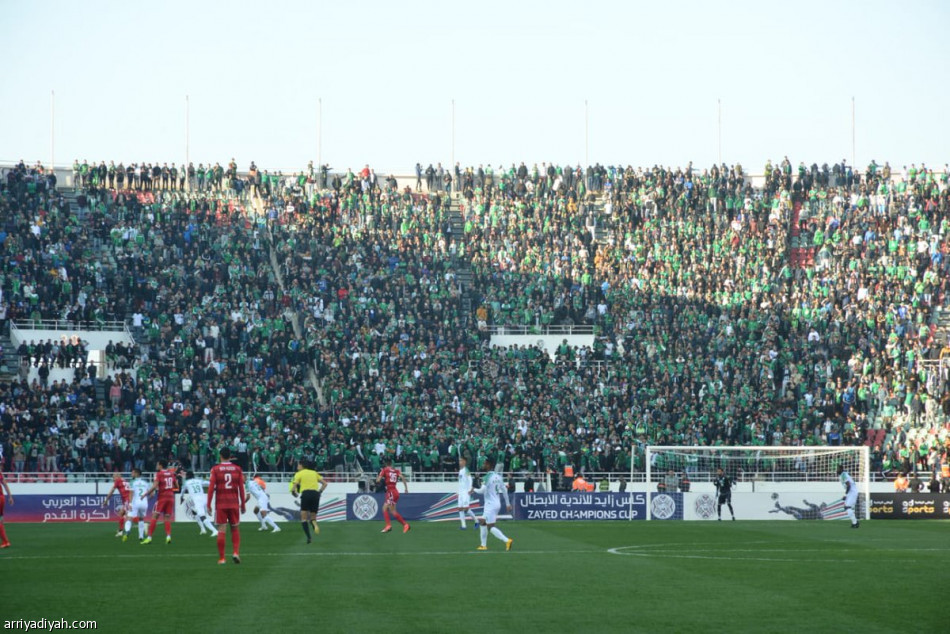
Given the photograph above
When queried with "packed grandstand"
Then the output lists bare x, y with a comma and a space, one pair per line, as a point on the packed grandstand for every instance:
344, 316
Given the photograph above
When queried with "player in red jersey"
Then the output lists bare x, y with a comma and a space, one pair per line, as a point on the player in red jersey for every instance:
391, 477
125, 492
4, 488
166, 483
227, 484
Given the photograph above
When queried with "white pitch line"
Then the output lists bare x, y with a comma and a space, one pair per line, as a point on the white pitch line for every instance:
253, 555
769, 559
735, 554
646, 550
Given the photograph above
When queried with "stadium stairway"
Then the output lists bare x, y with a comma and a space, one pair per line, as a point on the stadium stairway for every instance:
275, 264
9, 362
943, 325
461, 265
799, 256
71, 196
598, 221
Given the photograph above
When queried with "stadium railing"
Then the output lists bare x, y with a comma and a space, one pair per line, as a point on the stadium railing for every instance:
64, 324
332, 475
559, 329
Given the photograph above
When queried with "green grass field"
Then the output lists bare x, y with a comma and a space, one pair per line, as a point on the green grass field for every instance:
888, 576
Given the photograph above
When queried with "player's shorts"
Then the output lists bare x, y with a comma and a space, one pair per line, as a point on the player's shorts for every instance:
392, 496
165, 505
490, 513
139, 509
310, 501
465, 500
201, 504
263, 502
227, 516
851, 500
725, 498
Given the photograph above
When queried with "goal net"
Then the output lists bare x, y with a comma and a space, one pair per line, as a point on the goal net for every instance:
765, 470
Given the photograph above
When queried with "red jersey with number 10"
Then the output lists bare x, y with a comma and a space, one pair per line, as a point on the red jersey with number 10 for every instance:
227, 483
391, 477
167, 483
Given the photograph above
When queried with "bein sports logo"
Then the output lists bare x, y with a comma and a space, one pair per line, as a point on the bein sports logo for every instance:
365, 507
663, 506
705, 506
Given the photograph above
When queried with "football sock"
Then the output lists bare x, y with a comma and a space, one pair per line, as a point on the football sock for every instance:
386, 518
168, 527
236, 539
141, 529
497, 533
851, 515
270, 521
483, 534
3, 533
121, 523
733, 513
399, 518
306, 528
210, 525
151, 526
462, 518
128, 525
221, 544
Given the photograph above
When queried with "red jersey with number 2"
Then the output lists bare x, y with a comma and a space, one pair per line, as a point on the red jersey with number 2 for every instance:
227, 484
125, 491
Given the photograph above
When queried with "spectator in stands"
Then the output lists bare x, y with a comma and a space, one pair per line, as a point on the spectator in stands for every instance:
703, 291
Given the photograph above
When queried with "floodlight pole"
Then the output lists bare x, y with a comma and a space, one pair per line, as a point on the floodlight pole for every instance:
187, 133
853, 164
586, 135
719, 104
52, 131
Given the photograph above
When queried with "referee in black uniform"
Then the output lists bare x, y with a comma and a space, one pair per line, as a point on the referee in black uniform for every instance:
308, 484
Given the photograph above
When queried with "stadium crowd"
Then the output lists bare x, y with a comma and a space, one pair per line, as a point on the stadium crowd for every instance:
321, 316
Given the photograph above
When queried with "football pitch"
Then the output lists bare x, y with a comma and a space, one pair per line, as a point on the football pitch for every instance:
782, 576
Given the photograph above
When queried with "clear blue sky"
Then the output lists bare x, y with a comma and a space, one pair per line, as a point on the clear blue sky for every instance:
519, 72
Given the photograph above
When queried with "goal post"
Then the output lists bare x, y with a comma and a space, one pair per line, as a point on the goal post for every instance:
760, 469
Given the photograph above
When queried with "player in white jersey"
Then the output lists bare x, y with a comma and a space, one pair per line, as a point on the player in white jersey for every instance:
493, 488
194, 498
850, 495
258, 488
138, 510
465, 493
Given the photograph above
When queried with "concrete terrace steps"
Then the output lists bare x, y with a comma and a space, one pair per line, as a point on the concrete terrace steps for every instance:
800, 257
598, 222
10, 362
462, 268
315, 381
